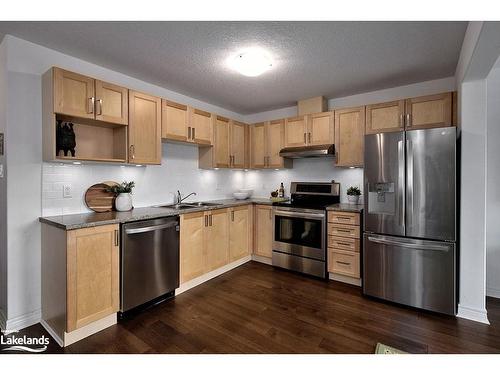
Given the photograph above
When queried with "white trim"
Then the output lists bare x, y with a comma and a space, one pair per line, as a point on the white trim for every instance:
261, 259
3, 320
89, 329
344, 279
492, 292
52, 333
23, 321
210, 275
471, 313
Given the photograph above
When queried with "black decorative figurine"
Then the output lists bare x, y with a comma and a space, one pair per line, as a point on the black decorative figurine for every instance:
65, 138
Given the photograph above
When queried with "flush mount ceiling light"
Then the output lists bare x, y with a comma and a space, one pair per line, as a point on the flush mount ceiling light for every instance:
251, 62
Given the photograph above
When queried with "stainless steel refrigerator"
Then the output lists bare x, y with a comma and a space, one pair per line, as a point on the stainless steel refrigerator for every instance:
410, 254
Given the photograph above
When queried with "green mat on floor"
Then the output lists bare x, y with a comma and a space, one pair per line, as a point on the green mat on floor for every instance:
386, 349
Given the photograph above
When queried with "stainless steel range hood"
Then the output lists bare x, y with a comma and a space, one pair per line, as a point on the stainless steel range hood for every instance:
308, 151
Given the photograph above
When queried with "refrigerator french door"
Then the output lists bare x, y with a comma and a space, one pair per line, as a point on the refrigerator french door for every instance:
410, 218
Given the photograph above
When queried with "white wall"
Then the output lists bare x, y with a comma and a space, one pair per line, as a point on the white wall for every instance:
493, 184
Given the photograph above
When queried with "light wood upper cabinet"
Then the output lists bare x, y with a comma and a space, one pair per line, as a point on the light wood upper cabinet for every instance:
92, 274
238, 144
320, 128
192, 261
295, 131
111, 103
201, 126
263, 239
216, 239
239, 232
258, 146
174, 121
74, 94
431, 111
275, 135
385, 117
349, 136
222, 142
144, 129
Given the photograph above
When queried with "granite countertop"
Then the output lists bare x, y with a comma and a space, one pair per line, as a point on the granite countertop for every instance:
92, 219
348, 207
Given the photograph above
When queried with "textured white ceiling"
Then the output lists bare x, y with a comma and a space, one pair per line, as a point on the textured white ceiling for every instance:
311, 58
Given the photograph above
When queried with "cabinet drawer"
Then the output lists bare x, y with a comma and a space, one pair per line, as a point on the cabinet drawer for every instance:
343, 262
341, 230
351, 218
343, 243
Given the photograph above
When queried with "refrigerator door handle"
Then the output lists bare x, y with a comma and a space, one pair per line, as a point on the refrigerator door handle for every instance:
416, 246
409, 182
401, 184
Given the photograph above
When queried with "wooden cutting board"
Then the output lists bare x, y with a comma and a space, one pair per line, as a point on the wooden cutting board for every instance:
98, 199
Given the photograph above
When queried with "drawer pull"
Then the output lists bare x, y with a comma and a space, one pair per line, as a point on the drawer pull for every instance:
344, 217
344, 243
344, 263
343, 230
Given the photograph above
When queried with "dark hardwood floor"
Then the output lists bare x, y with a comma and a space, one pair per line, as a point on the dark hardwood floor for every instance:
258, 309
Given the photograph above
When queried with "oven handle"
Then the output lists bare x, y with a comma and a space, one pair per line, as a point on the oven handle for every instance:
300, 214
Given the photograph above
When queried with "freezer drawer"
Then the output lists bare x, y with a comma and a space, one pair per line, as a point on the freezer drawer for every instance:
416, 273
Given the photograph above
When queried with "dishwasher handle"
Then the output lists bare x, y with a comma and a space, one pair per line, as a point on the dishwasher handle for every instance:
152, 228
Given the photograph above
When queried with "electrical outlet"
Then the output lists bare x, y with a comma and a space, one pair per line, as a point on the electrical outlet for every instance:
1, 170
67, 191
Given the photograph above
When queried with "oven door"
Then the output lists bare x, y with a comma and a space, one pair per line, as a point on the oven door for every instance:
300, 232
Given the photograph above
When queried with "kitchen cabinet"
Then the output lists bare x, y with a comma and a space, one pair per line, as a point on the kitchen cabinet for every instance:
216, 239
320, 128
221, 142
192, 262
201, 126
263, 240
385, 117
295, 131
240, 232
349, 136
144, 130
431, 111
175, 121
238, 144
111, 102
265, 144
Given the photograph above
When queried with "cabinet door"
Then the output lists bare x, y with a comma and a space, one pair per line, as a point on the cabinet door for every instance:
221, 142
320, 129
216, 240
295, 132
192, 261
431, 111
144, 130
92, 275
73, 94
238, 144
111, 103
274, 139
258, 146
201, 126
385, 117
349, 136
174, 121
263, 231
239, 233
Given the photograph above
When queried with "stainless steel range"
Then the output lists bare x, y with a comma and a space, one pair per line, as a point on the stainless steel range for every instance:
299, 227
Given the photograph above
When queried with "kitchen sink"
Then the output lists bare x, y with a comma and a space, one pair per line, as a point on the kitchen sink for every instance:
184, 206
204, 204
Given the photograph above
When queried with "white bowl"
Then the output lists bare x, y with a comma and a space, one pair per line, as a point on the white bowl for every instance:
240, 195
248, 191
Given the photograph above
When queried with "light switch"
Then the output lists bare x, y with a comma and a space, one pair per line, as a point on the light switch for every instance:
67, 191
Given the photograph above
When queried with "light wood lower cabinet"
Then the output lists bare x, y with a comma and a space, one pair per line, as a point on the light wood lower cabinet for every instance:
240, 232
216, 239
192, 262
263, 242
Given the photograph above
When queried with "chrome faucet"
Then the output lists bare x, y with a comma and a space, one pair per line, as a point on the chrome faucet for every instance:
179, 199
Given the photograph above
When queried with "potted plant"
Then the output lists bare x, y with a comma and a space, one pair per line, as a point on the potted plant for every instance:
353, 194
123, 192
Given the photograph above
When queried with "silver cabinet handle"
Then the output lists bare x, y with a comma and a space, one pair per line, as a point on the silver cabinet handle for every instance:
193, 132
232, 215
401, 121
99, 102
132, 151
189, 132
408, 120
343, 263
305, 138
206, 220
210, 220
415, 246
116, 237
151, 228
401, 183
91, 104
309, 135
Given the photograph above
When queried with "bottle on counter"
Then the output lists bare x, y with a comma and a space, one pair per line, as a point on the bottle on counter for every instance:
281, 191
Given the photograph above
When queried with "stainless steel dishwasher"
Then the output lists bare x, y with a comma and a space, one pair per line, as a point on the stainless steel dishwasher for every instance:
149, 261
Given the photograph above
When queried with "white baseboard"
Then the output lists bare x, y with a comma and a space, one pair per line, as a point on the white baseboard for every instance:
260, 259
344, 279
210, 275
3, 320
23, 321
470, 313
492, 292
52, 333
89, 329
